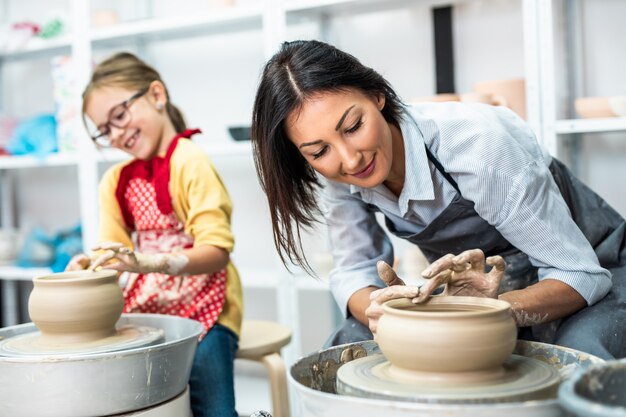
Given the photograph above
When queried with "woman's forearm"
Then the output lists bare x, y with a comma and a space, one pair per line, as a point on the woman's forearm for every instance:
545, 301
358, 303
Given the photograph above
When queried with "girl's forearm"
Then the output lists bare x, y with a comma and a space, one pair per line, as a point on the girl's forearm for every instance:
204, 259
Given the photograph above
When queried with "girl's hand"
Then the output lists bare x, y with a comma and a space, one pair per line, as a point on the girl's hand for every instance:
78, 262
464, 275
130, 261
395, 289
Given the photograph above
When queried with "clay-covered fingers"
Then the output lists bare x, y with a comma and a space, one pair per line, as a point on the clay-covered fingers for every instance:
78, 263
382, 295
433, 283
114, 246
387, 274
102, 259
497, 272
440, 265
473, 258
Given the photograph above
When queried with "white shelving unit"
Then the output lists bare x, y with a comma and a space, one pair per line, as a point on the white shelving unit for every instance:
540, 26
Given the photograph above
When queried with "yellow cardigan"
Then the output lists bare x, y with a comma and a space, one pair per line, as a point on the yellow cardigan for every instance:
202, 203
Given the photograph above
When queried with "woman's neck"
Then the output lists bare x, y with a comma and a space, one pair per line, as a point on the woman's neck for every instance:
395, 180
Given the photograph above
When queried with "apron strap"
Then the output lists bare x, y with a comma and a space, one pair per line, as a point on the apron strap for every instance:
440, 168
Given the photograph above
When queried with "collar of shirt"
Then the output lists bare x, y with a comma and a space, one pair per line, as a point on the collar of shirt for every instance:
418, 182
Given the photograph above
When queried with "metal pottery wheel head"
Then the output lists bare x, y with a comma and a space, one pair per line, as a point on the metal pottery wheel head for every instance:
598, 391
314, 379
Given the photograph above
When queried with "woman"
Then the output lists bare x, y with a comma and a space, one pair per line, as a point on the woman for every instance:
452, 178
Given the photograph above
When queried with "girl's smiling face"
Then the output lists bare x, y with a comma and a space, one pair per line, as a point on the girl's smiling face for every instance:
344, 136
143, 136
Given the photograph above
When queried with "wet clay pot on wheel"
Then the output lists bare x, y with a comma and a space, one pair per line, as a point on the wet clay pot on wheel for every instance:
466, 338
75, 307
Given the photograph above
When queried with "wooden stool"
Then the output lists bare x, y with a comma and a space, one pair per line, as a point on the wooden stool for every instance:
261, 341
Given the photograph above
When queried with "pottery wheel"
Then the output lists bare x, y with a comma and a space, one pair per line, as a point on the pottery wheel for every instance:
126, 337
521, 379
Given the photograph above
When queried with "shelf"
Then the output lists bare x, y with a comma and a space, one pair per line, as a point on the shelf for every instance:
40, 48
317, 7
217, 21
29, 161
18, 273
215, 149
591, 125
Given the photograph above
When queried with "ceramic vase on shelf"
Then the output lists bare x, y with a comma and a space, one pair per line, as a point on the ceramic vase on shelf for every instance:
512, 91
437, 98
599, 107
487, 98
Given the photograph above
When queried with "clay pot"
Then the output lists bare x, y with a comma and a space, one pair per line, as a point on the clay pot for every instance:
513, 91
75, 307
447, 335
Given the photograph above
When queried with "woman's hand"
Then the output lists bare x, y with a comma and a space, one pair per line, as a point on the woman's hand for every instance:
395, 289
129, 260
78, 262
464, 275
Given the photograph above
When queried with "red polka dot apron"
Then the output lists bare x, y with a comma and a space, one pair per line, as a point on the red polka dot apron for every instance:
146, 204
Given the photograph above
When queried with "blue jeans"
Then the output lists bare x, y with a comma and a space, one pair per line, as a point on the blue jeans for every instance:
211, 384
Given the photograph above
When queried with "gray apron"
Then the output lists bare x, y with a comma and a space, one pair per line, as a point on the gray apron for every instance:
598, 329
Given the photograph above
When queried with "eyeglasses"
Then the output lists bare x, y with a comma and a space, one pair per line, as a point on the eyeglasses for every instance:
119, 116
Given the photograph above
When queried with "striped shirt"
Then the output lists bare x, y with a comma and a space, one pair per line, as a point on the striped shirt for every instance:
498, 165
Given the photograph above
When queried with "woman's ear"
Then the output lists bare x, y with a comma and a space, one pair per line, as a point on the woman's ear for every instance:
380, 101
157, 94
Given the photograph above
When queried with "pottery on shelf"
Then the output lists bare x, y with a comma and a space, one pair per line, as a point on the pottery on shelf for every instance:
513, 91
75, 307
487, 98
598, 107
447, 334
437, 98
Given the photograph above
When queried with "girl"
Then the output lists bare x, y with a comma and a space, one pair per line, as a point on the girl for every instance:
165, 221
452, 178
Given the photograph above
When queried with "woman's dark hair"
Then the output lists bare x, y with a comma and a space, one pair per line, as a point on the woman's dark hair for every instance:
125, 70
295, 73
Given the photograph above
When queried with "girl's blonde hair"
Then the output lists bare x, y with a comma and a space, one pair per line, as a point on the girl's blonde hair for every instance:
127, 71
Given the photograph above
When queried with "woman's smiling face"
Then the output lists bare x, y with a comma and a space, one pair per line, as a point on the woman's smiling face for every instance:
344, 136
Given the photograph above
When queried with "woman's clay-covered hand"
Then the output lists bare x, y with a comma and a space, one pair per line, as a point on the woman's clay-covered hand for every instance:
78, 263
464, 275
129, 260
395, 289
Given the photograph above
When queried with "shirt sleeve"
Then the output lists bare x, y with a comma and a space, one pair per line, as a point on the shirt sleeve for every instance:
357, 242
201, 199
513, 189
111, 225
